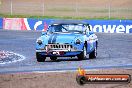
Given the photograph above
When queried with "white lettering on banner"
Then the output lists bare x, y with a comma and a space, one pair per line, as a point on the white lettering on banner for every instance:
120, 29
128, 27
112, 28
109, 29
27, 24
99, 27
37, 24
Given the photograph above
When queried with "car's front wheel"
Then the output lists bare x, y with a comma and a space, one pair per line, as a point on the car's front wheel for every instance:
40, 58
83, 54
93, 54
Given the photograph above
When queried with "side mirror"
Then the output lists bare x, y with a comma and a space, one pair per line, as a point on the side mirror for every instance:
87, 30
91, 32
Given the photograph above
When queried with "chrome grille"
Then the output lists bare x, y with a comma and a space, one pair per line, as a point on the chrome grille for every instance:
59, 46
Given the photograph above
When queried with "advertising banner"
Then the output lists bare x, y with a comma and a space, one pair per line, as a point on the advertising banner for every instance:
111, 26
106, 26
1, 23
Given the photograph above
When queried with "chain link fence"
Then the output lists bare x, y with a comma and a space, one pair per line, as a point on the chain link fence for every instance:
69, 8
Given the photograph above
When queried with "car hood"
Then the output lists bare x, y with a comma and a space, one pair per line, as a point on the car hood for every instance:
63, 37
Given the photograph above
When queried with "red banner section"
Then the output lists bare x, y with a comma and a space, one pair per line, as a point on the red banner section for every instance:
14, 24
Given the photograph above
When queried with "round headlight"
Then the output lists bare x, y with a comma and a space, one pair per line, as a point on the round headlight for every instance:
39, 42
78, 41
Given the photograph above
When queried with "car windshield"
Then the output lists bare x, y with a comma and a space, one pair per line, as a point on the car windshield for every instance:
76, 28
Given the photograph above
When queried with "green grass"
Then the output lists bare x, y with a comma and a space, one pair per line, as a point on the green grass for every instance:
60, 17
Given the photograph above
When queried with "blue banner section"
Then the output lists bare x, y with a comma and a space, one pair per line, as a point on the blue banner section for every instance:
106, 26
1, 23
37, 24
111, 26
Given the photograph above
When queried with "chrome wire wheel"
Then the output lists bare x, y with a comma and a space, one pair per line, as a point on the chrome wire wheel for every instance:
84, 51
95, 51
93, 54
83, 54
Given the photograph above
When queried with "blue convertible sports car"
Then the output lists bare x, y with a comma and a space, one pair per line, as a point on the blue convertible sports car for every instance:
66, 38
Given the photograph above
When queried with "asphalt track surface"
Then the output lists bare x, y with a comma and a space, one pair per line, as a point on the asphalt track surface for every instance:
114, 51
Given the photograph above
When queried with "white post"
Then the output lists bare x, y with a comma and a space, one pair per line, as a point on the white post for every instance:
76, 9
0, 2
11, 6
109, 9
43, 8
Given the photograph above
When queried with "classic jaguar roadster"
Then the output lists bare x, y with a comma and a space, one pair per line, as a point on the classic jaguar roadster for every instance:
66, 38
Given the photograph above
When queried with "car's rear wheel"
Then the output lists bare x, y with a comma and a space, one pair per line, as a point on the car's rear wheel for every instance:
83, 54
93, 54
40, 58
53, 58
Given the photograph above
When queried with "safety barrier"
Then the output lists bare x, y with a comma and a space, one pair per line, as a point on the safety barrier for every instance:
106, 26
111, 26
1, 23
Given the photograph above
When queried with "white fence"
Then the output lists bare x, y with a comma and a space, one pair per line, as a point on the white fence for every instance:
69, 8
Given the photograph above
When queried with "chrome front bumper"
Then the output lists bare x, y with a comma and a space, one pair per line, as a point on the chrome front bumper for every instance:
59, 50
58, 47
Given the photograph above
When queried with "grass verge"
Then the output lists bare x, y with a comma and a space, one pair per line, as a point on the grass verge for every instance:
59, 17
